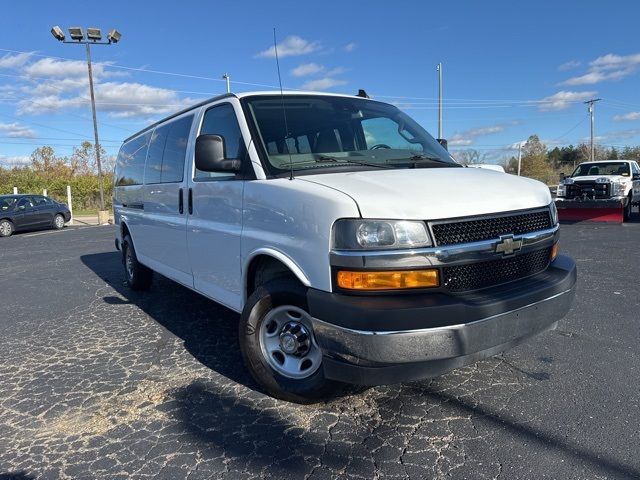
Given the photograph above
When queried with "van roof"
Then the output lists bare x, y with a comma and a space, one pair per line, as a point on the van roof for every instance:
230, 95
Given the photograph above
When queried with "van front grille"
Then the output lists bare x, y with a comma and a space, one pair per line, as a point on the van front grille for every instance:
489, 228
475, 276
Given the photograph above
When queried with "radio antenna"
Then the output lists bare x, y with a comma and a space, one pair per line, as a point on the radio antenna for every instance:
284, 110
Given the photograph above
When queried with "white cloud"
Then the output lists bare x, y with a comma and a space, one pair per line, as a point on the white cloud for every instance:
290, 47
350, 47
307, 69
467, 137
627, 116
619, 135
323, 83
14, 161
59, 69
607, 67
14, 61
16, 130
563, 100
571, 64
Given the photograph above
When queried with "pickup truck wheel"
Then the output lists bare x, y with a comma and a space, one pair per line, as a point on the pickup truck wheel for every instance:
138, 276
278, 346
626, 214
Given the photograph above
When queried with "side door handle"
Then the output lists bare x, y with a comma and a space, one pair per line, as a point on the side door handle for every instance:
190, 201
180, 202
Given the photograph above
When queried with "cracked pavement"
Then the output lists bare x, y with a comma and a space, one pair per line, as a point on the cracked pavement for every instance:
98, 381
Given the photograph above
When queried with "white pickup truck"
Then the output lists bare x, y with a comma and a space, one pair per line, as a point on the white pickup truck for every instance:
605, 183
352, 245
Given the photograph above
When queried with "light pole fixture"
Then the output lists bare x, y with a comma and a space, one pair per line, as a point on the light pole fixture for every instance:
93, 37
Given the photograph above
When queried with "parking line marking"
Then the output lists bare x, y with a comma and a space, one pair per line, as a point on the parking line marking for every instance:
53, 231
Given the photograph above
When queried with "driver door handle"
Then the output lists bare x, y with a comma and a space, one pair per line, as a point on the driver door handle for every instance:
190, 201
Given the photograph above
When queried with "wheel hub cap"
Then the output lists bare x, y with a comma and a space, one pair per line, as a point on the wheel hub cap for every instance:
294, 339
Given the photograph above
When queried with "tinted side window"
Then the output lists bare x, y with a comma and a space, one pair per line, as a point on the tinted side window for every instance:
175, 150
26, 202
153, 166
221, 120
131, 160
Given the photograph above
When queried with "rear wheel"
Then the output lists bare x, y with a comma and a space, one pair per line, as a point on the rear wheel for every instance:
278, 344
138, 276
6, 228
58, 222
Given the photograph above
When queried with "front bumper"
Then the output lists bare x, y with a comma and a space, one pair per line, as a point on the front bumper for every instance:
611, 202
427, 335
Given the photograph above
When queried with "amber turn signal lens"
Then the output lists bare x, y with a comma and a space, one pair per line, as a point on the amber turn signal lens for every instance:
554, 251
388, 280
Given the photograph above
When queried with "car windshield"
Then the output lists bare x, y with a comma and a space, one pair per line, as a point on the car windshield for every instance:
323, 132
7, 203
602, 168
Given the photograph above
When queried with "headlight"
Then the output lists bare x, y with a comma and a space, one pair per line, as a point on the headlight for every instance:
554, 213
602, 180
619, 188
561, 190
360, 234
568, 181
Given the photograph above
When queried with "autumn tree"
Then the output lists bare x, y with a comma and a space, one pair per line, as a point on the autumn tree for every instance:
45, 160
83, 159
534, 160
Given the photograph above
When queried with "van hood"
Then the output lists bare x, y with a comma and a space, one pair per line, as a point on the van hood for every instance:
435, 193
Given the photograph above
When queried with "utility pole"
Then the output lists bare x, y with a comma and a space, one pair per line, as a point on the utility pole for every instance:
95, 126
439, 69
228, 79
591, 107
93, 37
519, 156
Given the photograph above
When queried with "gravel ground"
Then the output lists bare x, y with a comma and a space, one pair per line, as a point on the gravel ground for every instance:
98, 381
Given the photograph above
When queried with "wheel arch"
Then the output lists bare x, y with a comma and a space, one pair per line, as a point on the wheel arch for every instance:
273, 264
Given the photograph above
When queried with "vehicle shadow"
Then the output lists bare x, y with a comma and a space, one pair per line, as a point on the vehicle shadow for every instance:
208, 330
22, 475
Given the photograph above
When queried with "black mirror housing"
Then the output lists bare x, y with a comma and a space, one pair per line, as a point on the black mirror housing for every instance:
210, 156
636, 176
443, 142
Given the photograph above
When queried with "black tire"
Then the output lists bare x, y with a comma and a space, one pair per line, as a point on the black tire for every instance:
266, 297
138, 276
58, 221
6, 228
626, 214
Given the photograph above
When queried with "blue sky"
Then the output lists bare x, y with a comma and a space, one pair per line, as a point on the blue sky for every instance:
511, 69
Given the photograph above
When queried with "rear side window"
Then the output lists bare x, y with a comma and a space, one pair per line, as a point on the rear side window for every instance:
221, 120
153, 168
131, 160
175, 150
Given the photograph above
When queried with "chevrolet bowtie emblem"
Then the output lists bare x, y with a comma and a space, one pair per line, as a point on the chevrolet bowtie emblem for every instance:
508, 245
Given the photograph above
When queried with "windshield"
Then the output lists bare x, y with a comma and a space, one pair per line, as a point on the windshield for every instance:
7, 203
328, 132
602, 168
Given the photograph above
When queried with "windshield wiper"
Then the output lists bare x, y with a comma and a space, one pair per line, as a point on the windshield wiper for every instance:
414, 159
343, 161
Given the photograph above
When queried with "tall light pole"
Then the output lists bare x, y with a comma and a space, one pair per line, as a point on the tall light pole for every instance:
228, 79
439, 69
93, 37
591, 107
519, 157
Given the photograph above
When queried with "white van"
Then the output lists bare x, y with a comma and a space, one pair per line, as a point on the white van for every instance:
353, 246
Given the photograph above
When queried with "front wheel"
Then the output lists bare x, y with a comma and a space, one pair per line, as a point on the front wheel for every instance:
138, 276
58, 222
626, 214
278, 345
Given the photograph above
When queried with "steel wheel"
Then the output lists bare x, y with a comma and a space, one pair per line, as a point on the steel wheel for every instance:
129, 263
287, 342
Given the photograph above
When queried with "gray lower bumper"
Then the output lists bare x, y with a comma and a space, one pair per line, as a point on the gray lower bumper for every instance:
444, 342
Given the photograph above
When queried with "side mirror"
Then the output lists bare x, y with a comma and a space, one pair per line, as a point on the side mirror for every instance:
443, 142
210, 155
636, 176
562, 176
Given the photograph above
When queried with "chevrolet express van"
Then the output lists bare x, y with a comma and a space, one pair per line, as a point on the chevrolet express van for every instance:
353, 246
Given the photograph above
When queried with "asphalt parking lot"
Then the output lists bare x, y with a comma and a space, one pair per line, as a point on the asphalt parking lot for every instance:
98, 381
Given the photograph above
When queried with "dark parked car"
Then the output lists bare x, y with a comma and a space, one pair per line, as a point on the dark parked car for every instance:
29, 212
